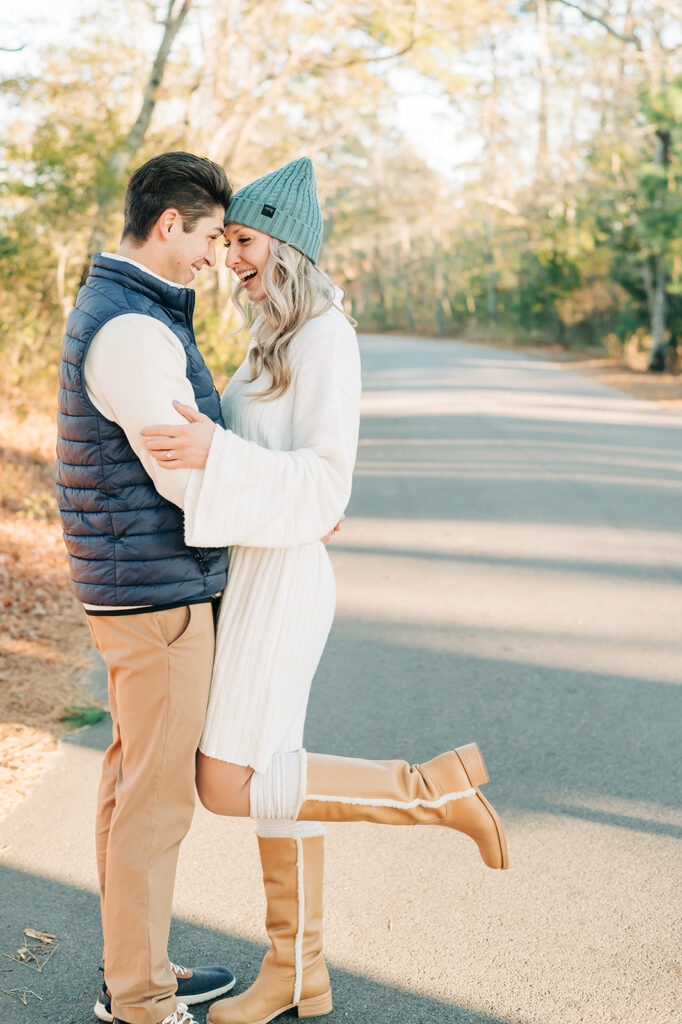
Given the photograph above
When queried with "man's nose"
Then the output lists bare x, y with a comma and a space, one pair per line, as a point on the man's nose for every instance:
210, 255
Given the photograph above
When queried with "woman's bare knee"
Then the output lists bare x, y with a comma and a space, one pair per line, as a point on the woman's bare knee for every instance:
223, 788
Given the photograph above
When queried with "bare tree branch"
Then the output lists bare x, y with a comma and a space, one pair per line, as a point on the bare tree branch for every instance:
273, 87
364, 59
373, 58
261, 90
123, 153
671, 8
172, 25
589, 16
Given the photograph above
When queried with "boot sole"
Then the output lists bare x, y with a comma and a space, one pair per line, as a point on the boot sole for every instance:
315, 1006
477, 773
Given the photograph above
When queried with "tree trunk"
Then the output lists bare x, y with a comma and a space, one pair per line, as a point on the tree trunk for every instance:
491, 280
492, 163
438, 287
122, 155
648, 281
657, 358
406, 246
542, 155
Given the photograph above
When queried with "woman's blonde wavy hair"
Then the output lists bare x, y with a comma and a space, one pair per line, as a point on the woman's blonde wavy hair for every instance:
295, 292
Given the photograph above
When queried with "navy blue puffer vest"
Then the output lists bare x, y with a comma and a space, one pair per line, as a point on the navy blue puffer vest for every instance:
125, 541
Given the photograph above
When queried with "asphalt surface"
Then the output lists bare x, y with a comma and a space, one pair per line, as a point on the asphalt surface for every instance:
509, 572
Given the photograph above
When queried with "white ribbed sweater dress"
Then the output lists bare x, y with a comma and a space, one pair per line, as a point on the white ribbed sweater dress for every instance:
274, 483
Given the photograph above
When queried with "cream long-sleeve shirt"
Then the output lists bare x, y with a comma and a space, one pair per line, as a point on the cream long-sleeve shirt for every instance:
134, 369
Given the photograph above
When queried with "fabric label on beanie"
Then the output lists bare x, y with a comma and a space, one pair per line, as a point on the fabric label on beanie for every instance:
268, 211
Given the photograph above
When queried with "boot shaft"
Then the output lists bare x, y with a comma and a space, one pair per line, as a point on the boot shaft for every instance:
293, 876
443, 791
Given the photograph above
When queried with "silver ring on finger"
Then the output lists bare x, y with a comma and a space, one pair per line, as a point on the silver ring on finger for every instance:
169, 454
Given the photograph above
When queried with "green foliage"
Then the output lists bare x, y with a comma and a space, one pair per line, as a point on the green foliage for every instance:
565, 252
83, 712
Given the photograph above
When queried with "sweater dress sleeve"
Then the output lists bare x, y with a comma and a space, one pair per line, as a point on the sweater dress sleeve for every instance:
252, 496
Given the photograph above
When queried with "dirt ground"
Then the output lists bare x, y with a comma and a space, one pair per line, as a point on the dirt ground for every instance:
45, 643
664, 388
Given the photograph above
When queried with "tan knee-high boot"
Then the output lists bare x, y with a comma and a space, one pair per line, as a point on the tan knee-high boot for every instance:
443, 791
293, 972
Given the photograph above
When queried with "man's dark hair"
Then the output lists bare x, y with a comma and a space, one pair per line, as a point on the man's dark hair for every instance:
190, 184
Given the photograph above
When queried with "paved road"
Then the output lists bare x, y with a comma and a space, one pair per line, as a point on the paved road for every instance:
510, 572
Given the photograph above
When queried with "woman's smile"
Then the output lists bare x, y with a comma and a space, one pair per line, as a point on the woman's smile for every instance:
247, 275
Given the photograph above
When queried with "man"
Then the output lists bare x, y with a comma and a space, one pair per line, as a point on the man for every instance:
128, 352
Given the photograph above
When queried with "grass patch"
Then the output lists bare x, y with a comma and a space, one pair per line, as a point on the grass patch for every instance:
82, 712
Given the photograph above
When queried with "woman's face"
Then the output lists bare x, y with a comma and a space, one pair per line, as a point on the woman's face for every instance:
247, 254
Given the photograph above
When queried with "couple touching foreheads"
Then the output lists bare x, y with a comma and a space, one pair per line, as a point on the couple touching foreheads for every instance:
161, 482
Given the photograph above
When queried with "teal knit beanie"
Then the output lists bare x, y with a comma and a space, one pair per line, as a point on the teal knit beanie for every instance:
283, 204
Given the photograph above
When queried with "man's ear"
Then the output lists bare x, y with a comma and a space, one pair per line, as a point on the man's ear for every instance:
169, 221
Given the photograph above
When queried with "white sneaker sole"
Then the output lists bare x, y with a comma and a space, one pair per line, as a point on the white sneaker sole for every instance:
103, 1014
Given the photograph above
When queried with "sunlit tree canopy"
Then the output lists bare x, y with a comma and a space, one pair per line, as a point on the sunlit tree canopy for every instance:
538, 195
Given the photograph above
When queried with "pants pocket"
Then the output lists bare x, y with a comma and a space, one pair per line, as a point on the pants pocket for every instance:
174, 623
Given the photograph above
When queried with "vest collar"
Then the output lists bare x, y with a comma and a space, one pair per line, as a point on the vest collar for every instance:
140, 266
138, 278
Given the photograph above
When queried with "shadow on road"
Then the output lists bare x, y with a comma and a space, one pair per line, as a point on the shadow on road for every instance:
595, 746
626, 475
618, 570
68, 985
465, 433
557, 741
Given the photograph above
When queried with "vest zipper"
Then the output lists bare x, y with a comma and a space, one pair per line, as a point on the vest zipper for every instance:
189, 314
203, 564
189, 310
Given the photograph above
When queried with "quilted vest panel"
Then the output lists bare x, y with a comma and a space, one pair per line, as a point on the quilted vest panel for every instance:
124, 540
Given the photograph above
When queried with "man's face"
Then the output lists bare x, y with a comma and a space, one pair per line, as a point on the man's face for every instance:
189, 252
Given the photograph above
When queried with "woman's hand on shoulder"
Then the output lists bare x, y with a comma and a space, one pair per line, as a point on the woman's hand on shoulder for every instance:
178, 445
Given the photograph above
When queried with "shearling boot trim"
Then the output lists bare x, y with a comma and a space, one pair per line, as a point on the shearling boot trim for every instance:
401, 805
282, 828
298, 945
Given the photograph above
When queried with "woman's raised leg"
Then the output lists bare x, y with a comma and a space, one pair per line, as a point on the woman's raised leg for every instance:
223, 788
322, 787
443, 791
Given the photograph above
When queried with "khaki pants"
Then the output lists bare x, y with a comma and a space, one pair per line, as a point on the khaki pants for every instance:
159, 674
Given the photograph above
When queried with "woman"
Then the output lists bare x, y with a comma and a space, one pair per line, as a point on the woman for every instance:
270, 487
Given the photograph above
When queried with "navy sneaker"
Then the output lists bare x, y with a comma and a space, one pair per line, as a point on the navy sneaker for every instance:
204, 983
